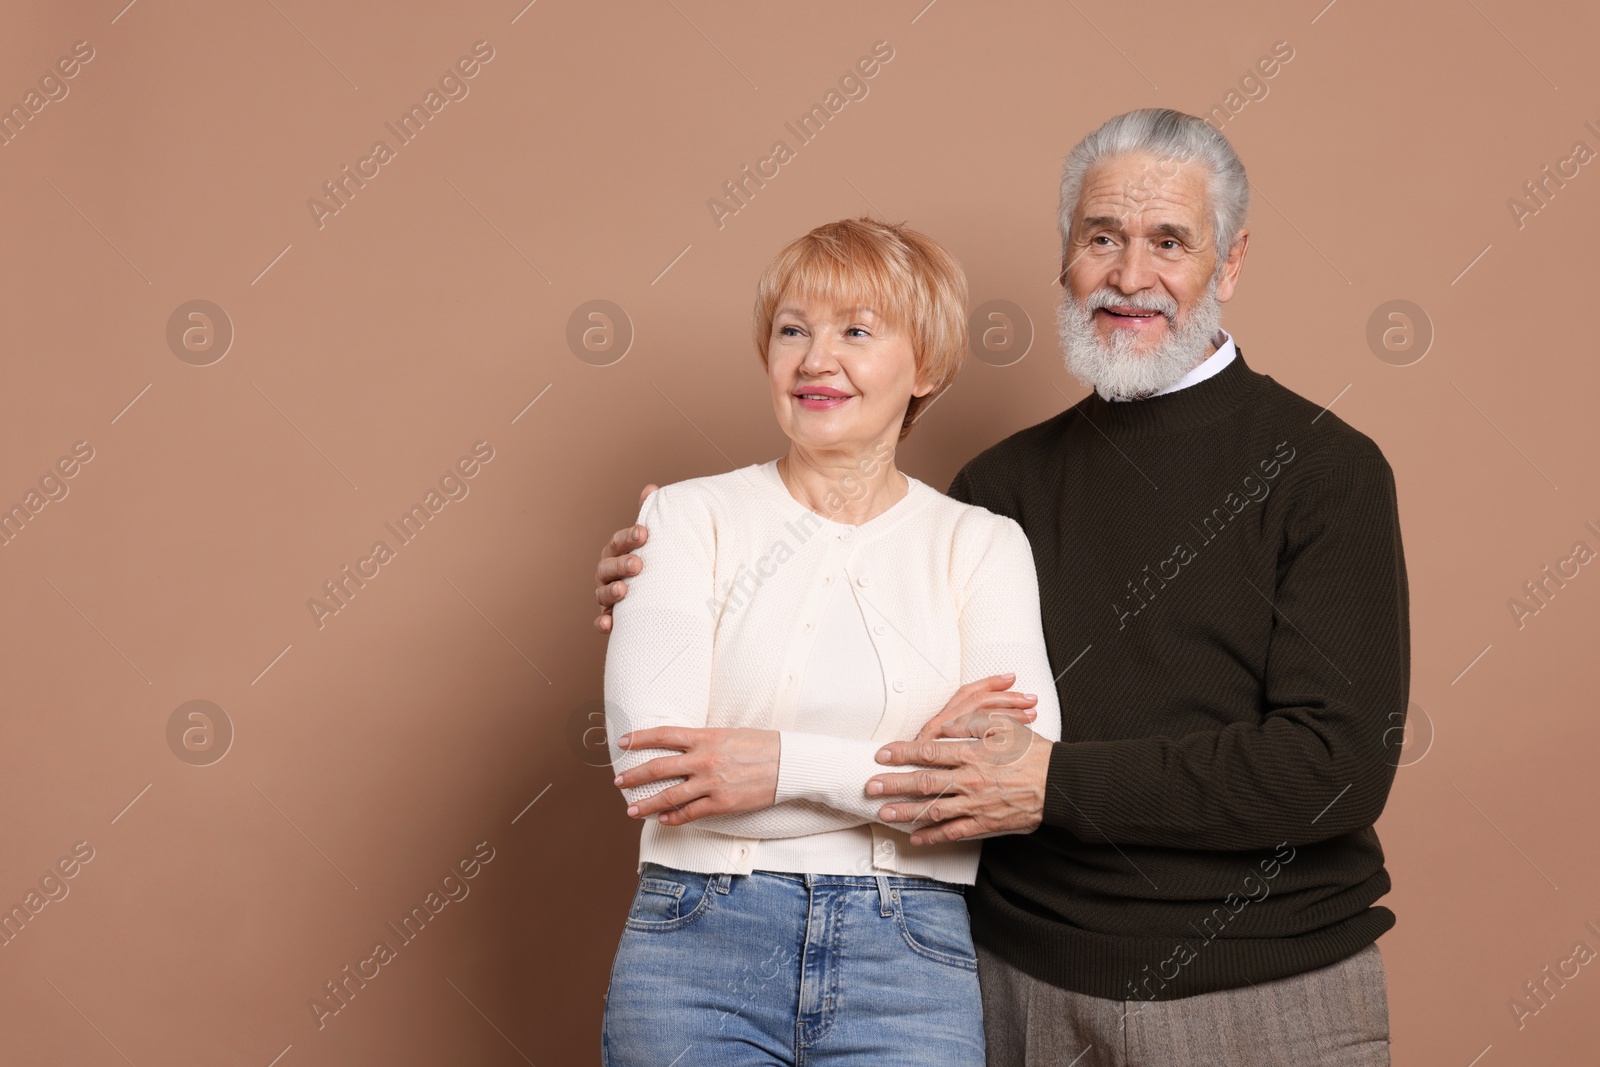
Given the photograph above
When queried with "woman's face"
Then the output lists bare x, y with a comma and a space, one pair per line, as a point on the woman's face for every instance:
841, 376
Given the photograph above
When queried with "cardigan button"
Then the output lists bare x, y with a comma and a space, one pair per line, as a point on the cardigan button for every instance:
899, 685
863, 580
880, 629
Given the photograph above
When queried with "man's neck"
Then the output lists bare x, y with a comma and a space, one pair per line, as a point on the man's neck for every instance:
1219, 340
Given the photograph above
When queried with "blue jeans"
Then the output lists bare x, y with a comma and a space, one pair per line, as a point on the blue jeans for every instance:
800, 970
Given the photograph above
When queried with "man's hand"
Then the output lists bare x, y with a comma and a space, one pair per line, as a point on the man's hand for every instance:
992, 783
616, 563
728, 771
984, 695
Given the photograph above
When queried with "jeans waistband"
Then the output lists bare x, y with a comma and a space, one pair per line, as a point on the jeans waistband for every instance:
866, 881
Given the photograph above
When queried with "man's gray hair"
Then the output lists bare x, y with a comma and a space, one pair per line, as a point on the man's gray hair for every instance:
1173, 137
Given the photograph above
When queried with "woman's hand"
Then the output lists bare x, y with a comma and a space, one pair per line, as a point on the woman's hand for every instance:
727, 771
988, 695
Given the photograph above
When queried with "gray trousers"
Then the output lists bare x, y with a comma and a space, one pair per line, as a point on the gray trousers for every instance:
1335, 1016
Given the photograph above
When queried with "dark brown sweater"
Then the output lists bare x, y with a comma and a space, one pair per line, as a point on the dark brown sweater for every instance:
1224, 601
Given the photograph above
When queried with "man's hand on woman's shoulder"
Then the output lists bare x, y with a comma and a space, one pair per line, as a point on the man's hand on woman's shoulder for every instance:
617, 563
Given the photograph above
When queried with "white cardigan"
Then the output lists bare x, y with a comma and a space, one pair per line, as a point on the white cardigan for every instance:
719, 623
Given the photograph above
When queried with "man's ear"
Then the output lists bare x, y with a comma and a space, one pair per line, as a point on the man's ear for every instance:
1232, 267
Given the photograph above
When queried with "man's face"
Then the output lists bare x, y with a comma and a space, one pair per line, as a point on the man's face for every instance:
1142, 284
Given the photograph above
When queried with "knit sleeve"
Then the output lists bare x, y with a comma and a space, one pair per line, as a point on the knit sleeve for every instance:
658, 659
997, 593
831, 772
659, 662
1314, 764
1001, 628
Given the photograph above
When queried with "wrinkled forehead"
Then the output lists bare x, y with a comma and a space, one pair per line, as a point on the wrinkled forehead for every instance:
1140, 193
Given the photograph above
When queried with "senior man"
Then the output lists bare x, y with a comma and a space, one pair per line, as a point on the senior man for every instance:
1224, 600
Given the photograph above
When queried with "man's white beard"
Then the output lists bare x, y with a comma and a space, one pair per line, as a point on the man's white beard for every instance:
1119, 369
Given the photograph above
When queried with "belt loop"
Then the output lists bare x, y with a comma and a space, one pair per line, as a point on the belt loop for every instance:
721, 882
884, 906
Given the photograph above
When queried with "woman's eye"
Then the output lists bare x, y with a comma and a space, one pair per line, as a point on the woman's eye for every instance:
784, 331
858, 331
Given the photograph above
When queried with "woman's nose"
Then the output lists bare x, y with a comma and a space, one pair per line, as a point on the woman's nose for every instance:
819, 355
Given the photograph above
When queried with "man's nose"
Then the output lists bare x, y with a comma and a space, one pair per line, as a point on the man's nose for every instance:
1134, 269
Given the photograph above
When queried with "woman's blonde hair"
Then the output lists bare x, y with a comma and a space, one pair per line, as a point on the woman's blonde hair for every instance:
906, 277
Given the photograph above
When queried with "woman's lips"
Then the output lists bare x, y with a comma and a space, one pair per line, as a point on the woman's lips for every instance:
820, 402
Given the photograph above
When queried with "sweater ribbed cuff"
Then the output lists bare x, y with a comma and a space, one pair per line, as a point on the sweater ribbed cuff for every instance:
1077, 787
808, 768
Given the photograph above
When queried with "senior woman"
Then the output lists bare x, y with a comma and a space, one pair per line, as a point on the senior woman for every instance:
789, 618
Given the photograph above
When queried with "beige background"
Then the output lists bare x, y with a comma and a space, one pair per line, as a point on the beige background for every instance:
372, 754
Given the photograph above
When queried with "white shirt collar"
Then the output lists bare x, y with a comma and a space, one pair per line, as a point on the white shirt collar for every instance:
1212, 364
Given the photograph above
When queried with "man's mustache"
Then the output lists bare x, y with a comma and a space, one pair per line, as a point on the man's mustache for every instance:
1101, 298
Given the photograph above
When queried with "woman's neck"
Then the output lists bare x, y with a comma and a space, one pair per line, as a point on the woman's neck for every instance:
844, 489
